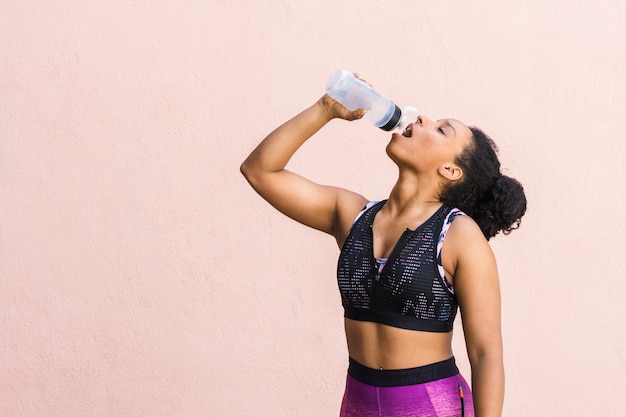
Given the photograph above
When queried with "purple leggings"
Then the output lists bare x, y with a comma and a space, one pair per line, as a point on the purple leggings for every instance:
436, 390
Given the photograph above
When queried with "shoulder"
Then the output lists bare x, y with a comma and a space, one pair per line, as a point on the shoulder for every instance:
463, 225
465, 240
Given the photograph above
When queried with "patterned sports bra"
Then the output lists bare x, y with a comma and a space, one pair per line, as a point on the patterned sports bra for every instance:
409, 290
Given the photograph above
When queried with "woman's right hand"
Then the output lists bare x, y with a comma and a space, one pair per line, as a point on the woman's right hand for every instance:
336, 110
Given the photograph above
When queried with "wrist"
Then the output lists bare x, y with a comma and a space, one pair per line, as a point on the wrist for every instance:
325, 112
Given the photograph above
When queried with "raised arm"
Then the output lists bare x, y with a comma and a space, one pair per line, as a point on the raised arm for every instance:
477, 287
318, 206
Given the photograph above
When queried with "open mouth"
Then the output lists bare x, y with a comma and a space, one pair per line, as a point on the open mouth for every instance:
408, 132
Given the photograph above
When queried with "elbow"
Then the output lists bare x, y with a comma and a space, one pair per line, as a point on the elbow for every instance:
247, 168
256, 171
249, 171
244, 169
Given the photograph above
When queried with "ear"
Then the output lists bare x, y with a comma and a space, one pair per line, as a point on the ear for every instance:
451, 172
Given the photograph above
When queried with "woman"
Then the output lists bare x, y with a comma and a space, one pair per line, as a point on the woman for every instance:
407, 262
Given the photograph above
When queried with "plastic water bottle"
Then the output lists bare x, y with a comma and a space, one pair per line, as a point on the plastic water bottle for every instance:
354, 94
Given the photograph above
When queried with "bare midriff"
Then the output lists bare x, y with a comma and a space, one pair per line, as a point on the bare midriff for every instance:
379, 346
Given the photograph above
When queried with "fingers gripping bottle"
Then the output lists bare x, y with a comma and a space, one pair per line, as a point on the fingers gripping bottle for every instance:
354, 94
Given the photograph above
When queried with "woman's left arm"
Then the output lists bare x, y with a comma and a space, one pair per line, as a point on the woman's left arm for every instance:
477, 288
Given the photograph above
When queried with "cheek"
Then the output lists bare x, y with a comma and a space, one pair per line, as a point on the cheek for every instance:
438, 152
451, 151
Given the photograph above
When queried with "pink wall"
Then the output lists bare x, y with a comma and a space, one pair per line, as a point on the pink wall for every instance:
141, 276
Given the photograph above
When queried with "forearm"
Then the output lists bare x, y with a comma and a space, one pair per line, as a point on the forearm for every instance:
488, 385
275, 151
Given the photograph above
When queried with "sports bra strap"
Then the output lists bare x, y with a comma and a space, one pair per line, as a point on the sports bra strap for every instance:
444, 230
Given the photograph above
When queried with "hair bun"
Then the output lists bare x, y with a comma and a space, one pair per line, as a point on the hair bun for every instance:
509, 203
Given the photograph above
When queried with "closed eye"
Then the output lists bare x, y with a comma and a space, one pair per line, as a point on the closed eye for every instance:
447, 124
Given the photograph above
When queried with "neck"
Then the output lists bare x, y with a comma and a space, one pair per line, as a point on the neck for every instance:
413, 194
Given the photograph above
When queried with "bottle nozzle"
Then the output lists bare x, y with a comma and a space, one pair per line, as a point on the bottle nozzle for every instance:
409, 115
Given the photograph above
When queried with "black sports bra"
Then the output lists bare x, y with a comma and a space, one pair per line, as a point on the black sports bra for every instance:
410, 291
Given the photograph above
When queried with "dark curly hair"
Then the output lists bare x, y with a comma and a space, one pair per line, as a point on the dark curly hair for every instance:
496, 202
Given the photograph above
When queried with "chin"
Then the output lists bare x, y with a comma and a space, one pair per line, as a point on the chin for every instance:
389, 151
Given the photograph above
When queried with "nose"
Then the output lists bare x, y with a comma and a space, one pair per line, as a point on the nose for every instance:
423, 120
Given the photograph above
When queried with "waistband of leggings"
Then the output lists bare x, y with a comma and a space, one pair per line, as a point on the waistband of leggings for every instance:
402, 377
